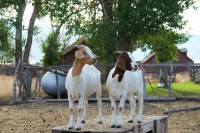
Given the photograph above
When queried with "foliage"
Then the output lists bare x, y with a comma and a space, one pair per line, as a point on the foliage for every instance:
119, 25
51, 51
6, 43
163, 44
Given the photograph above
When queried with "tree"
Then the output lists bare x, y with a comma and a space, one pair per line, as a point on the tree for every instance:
15, 9
30, 31
115, 24
164, 45
6, 43
118, 25
51, 51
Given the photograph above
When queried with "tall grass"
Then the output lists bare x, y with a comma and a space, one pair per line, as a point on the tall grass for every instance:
6, 85
6, 88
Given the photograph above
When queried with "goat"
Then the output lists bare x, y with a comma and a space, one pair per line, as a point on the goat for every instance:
82, 80
125, 79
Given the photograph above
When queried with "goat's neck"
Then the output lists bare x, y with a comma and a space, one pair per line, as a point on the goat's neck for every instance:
120, 72
77, 67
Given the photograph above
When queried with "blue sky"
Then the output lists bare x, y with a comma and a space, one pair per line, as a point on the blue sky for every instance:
192, 27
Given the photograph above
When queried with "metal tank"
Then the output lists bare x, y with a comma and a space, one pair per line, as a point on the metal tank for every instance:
49, 84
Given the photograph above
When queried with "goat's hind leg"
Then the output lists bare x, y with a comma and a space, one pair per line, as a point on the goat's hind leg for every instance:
121, 106
98, 96
85, 110
133, 106
140, 101
71, 108
113, 107
79, 109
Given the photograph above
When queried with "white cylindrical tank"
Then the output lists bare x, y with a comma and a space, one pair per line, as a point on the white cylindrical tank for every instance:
49, 84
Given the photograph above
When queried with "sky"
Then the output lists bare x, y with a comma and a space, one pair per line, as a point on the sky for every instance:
192, 28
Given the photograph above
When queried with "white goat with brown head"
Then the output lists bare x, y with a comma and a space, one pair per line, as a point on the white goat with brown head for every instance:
82, 80
125, 80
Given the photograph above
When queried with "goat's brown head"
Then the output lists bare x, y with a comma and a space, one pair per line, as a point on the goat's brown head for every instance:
85, 55
124, 62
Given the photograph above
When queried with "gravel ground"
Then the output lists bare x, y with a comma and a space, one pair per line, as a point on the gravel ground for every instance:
42, 117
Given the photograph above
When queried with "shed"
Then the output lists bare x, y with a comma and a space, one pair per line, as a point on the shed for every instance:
67, 55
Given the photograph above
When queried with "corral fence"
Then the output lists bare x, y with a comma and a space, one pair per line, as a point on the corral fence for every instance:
27, 80
24, 80
171, 79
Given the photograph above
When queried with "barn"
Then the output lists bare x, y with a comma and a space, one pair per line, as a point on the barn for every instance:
67, 55
155, 70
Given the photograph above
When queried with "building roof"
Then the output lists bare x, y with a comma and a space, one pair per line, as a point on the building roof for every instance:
147, 57
183, 50
71, 47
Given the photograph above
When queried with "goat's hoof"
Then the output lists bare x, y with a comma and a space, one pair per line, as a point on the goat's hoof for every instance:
119, 126
130, 121
100, 122
139, 121
112, 126
83, 121
78, 128
70, 128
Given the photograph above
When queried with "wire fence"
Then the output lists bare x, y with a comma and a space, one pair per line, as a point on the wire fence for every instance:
160, 80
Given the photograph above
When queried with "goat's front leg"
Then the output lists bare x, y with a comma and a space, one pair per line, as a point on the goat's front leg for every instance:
85, 110
121, 106
79, 109
133, 106
113, 107
140, 101
71, 108
98, 95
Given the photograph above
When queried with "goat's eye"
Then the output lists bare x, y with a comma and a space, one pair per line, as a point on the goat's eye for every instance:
84, 52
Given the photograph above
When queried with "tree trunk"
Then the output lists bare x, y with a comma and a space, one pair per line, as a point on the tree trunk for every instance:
29, 37
126, 44
18, 35
163, 77
55, 39
107, 10
57, 32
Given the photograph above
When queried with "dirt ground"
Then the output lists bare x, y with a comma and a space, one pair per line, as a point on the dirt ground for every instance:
42, 117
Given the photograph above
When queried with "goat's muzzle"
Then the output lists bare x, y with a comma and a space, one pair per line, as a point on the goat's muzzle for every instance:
93, 61
135, 68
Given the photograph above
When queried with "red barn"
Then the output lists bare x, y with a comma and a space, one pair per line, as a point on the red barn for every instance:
155, 70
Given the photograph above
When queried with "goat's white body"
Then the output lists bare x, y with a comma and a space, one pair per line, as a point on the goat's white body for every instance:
82, 86
131, 83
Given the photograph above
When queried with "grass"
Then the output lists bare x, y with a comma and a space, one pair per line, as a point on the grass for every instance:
178, 89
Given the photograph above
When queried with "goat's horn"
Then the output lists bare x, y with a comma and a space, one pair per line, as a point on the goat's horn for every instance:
119, 52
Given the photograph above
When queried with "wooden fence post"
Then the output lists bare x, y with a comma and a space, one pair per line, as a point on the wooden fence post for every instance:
15, 81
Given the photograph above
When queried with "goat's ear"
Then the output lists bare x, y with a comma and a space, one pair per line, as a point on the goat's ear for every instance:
79, 54
121, 63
